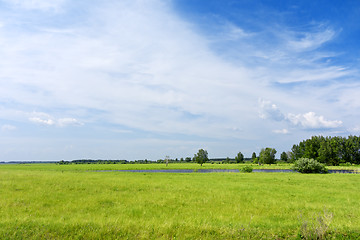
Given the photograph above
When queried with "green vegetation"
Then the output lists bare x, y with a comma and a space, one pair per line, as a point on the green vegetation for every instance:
201, 157
49, 201
329, 150
306, 165
267, 156
246, 169
284, 157
239, 158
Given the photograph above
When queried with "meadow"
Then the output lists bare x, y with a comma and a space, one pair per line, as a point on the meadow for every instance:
48, 201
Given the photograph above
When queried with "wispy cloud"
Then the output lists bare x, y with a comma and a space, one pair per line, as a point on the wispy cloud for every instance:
269, 110
8, 127
139, 65
47, 120
42, 121
307, 41
43, 5
281, 131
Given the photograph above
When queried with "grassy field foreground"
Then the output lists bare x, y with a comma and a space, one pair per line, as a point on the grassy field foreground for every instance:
53, 204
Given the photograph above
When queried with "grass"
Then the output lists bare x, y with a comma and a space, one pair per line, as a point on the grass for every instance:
48, 201
94, 167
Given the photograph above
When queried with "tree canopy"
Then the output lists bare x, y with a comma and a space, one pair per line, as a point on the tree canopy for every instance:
284, 157
328, 150
201, 157
267, 156
239, 158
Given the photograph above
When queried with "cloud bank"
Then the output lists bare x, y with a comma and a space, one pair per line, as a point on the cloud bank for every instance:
140, 70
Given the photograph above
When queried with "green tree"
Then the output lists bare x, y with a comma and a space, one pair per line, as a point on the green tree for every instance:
254, 159
201, 157
267, 155
239, 158
329, 150
284, 157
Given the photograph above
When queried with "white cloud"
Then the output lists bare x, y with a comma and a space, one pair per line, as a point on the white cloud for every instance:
311, 40
8, 127
135, 64
269, 110
42, 121
321, 74
232, 32
281, 131
311, 121
63, 122
46, 119
43, 5
131, 58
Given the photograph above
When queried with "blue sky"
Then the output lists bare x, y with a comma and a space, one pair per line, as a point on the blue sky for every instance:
143, 79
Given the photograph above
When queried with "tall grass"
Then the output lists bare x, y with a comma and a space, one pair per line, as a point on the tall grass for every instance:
67, 204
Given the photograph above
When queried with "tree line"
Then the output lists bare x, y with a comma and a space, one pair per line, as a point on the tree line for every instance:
328, 150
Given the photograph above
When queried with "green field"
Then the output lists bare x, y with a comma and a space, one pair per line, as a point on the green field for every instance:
48, 201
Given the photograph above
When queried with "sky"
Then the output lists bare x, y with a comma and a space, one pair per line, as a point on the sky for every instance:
145, 79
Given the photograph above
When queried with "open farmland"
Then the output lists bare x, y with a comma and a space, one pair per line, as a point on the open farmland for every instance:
63, 202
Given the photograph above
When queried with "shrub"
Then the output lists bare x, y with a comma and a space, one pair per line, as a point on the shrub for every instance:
246, 169
306, 165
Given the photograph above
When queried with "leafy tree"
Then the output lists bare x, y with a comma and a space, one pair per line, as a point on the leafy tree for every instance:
239, 158
254, 158
201, 157
329, 150
284, 157
267, 155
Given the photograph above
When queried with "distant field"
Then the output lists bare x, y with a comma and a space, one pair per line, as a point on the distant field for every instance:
94, 167
51, 201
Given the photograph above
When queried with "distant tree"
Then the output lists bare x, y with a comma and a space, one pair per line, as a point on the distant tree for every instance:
201, 157
254, 159
267, 156
188, 159
284, 157
239, 158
